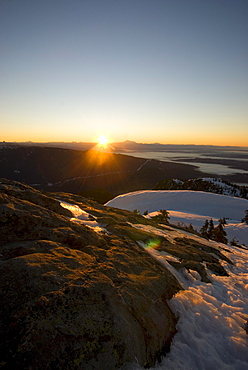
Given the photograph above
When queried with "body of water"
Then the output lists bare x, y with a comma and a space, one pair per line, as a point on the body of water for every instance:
192, 157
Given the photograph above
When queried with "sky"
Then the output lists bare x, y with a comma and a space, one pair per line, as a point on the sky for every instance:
167, 71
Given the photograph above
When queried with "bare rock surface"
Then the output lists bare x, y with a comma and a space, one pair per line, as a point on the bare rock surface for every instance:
72, 298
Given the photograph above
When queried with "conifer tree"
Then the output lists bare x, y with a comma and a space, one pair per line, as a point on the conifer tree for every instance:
204, 229
210, 233
222, 221
245, 219
233, 242
220, 234
163, 216
191, 228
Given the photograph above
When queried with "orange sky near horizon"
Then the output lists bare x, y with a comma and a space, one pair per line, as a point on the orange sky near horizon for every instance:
182, 138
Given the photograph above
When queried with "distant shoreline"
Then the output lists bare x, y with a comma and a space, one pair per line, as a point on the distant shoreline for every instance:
227, 162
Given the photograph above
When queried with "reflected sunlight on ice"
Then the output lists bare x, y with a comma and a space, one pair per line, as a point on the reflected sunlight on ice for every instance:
82, 217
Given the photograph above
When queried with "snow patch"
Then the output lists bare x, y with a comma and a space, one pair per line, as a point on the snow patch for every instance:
212, 317
83, 217
194, 202
190, 207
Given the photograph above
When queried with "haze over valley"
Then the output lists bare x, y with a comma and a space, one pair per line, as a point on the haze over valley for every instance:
229, 163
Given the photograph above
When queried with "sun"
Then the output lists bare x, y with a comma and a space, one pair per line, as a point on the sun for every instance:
103, 141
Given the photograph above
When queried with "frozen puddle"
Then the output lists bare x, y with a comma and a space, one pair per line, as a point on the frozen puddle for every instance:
83, 217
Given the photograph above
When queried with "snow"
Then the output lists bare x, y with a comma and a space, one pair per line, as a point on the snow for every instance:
190, 207
179, 182
148, 160
83, 217
196, 202
235, 230
227, 189
212, 316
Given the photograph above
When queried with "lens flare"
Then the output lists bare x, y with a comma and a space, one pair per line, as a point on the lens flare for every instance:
153, 243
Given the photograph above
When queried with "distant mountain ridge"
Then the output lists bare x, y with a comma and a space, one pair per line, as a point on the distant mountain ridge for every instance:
68, 170
127, 145
107, 174
233, 160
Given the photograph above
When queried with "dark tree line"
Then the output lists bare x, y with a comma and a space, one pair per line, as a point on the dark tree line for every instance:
162, 216
245, 219
203, 185
217, 233
208, 230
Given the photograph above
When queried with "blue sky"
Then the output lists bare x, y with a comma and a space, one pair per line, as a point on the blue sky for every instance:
169, 71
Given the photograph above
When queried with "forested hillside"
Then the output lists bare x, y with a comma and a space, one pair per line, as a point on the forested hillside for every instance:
211, 185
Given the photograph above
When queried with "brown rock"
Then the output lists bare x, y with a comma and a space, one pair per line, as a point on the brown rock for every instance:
74, 299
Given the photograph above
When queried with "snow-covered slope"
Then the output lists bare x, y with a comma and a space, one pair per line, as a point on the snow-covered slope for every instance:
194, 202
227, 188
213, 317
190, 207
212, 326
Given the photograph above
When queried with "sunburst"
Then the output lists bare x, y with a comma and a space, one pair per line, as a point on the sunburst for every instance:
103, 141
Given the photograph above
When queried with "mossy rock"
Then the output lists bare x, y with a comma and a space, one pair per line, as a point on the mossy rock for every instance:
74, 299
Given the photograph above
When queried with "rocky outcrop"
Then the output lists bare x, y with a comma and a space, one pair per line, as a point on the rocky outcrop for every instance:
72, 298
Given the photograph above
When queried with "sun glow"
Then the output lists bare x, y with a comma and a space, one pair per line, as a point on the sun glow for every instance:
103, 141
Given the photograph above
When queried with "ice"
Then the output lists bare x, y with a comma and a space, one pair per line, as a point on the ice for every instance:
82, 217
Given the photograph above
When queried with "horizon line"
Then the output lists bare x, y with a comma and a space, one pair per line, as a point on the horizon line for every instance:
118, 142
